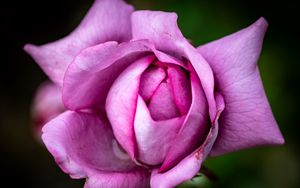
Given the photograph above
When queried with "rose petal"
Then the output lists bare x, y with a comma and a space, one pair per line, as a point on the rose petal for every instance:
121, 103
94, 70
82, 144
165, 58
187, 168
162, 105
194, 129
107, 20
150, 80
47, 104
181, 88
162, 30
153, 138
247, 120
134, 179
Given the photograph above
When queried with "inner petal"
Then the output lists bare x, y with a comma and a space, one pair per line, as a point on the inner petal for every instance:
153, 151
162, 105
150, 80
181, 86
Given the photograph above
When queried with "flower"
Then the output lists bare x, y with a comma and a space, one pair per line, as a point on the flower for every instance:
145, 107
47, 104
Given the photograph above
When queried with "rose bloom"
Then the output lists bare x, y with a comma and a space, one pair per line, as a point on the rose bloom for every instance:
143, 106
47, 104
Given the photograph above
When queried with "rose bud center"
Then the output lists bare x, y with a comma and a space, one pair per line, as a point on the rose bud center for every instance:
165, 92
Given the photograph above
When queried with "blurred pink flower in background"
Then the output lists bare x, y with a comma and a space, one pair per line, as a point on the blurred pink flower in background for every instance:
47, 104
145, 107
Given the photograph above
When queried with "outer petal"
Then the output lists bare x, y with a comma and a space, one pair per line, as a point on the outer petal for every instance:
161, 29
190, 165
134, 179
247, 120
153, 138
95, 69
107, 20
194, 130
84, 146
47, 104
121, 103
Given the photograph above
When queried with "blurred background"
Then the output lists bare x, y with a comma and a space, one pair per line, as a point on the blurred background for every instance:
26, 163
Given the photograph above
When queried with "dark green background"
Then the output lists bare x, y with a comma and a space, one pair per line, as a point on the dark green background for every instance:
25, 163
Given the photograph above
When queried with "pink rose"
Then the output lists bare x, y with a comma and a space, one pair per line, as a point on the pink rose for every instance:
145, 107
47, 104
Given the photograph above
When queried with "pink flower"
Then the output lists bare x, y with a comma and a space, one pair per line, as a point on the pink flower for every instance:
145, 107
47, 104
